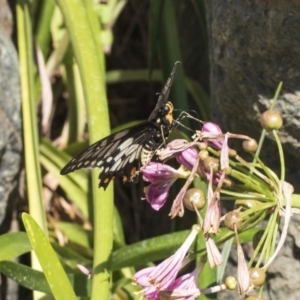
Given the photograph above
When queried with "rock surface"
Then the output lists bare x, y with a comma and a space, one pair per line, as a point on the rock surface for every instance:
254, 45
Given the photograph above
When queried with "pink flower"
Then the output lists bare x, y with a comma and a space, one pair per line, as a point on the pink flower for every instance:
161, 178
188, 158
155, 279
174, 147
185, 286
214, 136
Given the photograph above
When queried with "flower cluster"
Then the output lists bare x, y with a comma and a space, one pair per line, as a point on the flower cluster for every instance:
161, 282
258, 195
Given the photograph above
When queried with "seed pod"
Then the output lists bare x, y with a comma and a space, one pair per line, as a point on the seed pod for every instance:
230, 283
195, 196
228, 171
233, 219
232, 152
257, 276
271, 119
211, 162
250, 145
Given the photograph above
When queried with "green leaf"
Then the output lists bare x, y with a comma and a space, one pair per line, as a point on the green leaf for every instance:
118, 76
25, 276
36, 280
42, 26
70, 257
84, 30
200, 97
29, 107
153, 249
13, 245
76, 233
164, 37
75, 184
53, 270
156, 7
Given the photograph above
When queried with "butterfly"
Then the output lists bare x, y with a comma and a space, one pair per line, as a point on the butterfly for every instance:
123, 153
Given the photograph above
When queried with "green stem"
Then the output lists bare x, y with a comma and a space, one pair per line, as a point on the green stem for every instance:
278, 90
263, 133
84, 31
258, 248
266, 252
275, 231
271, 175
254, 210
31, 143
281, 155
296, 200
232, 196
251, 183
43, 23
260, 144
254, 220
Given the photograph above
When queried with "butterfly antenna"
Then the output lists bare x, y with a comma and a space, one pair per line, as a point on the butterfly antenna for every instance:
178, 123
184, 114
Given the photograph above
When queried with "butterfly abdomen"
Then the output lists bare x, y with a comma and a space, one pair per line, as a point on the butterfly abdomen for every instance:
163, 126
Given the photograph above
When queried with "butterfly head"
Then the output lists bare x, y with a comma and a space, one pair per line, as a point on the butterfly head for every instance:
167, 112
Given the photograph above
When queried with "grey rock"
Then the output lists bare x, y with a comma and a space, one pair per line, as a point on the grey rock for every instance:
10, 122
254, 45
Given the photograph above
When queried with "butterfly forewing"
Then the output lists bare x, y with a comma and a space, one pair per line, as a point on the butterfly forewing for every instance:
122, 153
110, 153
164, 95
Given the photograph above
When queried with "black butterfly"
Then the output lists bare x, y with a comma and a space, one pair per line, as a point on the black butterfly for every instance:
122, 153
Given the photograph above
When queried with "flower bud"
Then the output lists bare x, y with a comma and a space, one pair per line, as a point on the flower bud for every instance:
250, 145
271, 119
233, 219
246, 203
228, 183
228, 170
232, 152
214, 129
211, 162
211, 127
194, 198
257, 276
202, 146
203, 154
188, 158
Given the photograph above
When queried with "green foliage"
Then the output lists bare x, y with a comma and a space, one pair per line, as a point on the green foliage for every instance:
52, 268
70, 38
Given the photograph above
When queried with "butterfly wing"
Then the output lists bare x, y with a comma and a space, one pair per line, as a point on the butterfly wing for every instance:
122, 153
117, 155
164, 95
